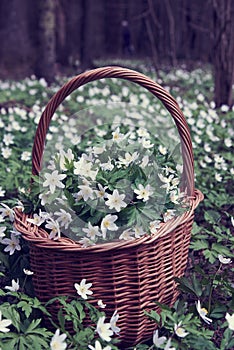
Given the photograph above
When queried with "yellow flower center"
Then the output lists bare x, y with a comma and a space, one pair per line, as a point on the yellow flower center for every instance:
204, 311
56, 345
180, 331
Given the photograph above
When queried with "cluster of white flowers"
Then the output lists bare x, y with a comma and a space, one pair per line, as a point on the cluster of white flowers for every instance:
13, 243
104, 330
118, 152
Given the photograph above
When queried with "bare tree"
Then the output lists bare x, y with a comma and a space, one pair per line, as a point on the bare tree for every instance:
45, 66
92, 32
223, 20
15, 48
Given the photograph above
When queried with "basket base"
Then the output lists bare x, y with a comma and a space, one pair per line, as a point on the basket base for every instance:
129, 281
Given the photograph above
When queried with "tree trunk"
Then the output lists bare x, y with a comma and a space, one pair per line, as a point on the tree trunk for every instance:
223, 12
115, 15
61, 33
45, 66
172, 30
92, 36
15, 48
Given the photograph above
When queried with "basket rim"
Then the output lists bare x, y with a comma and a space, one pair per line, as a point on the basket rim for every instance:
40, 238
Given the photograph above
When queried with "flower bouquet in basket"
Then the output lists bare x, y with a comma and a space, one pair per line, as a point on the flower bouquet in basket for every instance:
115, 209
118, 183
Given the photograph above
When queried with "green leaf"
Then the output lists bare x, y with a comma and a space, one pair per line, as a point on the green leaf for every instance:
11, 344
11, 313
212, 216
210, 255
26, 307
32, 327
221, 249
199, 245
5, 260
79, 307
2, 293
218, 312
189, 286
61, 318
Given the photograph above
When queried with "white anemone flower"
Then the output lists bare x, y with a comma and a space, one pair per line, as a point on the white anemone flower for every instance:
117, 136
92, 231
230, 320
101, 304
101, 192
145, 161
84, 168
224, 260
7, 212
115, 201
138, 231
86, 242
53, 180
169, 170
143, 133
166, 181
6, 152
53, 225
146, 143
98, 150
4, 324
154, 226
127, 235
58, 341
2, 192
85, 192
174, 196
44, 197
64, 218
28, 272
158, 341
108, 224
232, 220
65, 156
14, 286
162, 150
37, 220
128, 158
202, 312
2, 231
168, 215
218, 177
103, 329
107, 166
12, 244
83, 288
180, 331
143, 192
113, 321
8, 139
25, 156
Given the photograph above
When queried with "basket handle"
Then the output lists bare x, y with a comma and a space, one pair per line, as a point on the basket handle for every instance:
135, 77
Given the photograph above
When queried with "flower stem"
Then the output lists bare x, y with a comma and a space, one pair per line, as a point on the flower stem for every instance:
212, 287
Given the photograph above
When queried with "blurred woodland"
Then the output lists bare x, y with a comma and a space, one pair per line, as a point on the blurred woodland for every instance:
48, 37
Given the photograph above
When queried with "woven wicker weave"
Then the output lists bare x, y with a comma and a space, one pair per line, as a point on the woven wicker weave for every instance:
127, 275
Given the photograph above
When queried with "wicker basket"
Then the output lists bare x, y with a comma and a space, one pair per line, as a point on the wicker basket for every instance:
127, 275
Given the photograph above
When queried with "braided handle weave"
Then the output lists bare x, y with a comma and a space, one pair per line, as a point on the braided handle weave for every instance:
135, 77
